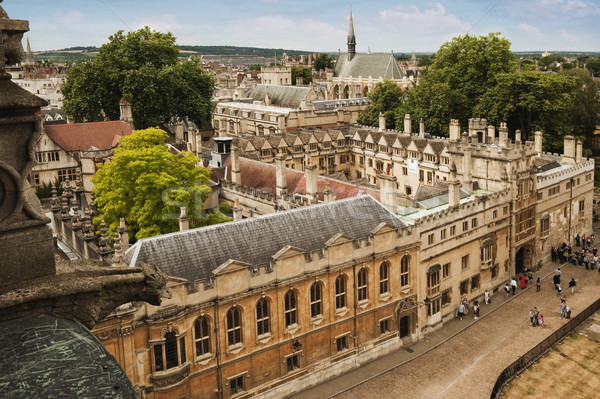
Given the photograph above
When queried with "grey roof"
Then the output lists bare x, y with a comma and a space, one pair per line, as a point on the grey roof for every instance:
281, 96
194, 254
365, 65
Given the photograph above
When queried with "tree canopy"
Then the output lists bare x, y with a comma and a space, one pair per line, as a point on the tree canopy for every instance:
301, 72
143, 68
322, 62
146, 184
386, 97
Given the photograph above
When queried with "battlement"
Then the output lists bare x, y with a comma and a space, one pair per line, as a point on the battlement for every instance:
565, 173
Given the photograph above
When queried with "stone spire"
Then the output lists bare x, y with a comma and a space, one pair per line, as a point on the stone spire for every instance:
351, 39
29, 60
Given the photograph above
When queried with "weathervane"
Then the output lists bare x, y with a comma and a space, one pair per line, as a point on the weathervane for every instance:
11, 34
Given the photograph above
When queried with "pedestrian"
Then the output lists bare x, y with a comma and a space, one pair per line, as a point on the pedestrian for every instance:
572, 285
558, 272
531, 317
541, 320
461, 310
507, 289
538, 285
466, 305
536, 314
513, 285
556, 280
523, 279
563, 309
568, 313
486, 297
554, 254
586, 262
593, 262
577, 240
592, 237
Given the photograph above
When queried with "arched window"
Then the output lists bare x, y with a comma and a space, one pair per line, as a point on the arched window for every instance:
202, 336
234, 326
315, 300
170, 353
486, 251
340, 292
362, 284
433, 280
262, 316
384, 272
404, 269
290, 308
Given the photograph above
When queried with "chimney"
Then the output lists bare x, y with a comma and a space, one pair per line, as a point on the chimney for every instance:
491, 132
518, 137
579, 151
237, 210
538, 143
124, 233
407, 124
381, 122
421, 128
467, 165
70, 119
454, 130
311, 173
236, 175
126, 114
184, 223
569, 150
328, 194
453, 188
503, 135
281, 181
179, 131
387, 191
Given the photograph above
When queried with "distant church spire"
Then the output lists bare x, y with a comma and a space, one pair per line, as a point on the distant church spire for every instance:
351, 39
29, 60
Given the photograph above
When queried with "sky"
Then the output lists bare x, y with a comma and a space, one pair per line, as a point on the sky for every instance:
316, 25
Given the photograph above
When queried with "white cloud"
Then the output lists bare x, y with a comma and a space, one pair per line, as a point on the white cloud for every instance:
526, 28
72, 17
569, 36
162, 23
410, 18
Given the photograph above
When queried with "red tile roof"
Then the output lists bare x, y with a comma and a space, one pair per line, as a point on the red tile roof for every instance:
262, 176
82, 136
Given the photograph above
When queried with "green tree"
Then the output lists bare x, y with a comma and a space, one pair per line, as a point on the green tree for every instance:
386, 97
141, 67
593, 65
146, 184
462, 71
322, 62
531, 101
584, 113
301, 72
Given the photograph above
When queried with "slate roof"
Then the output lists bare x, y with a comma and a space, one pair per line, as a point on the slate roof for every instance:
82, 136
281, 96
365, 65
194, 254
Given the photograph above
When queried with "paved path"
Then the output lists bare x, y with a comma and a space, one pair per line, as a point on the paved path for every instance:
464, 358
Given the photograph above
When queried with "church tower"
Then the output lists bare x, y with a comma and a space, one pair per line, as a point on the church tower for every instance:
29, 61
351, 39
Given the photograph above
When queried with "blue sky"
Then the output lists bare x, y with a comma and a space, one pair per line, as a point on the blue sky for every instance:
316, 25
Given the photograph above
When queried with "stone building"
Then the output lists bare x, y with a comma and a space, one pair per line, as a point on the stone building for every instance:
276, 76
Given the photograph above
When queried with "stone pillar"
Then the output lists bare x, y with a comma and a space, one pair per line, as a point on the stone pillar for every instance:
467, 182
454, 130
236, 176
184, 222
237, 210
421, 128
503, 135
518, 137
387, 191
538, 143
124, 234
311, 174
579, 152
381, 122
569, 150
407, 124
491, 133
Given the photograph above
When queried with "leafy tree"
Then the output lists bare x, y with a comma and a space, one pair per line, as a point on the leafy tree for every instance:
426, 60
593, 65
462, 71
141, 67
301, 72
254, 67
386, 97
44, 190
322, 62
531, 101
146, 184
584, 113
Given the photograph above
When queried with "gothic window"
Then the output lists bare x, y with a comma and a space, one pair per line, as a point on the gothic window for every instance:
362, 284
202, 336
433, 280
290, 308
262, 317
486, 251
404, 270
234, 326
315, 300
170, 353
384, 271
340, 292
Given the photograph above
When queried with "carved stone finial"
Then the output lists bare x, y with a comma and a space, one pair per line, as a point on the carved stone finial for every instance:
88, 229
11, 34
104, 241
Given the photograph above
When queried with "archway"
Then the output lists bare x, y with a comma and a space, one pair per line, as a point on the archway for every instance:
523, 259
404, 326
336, 92
346, 92
365, 92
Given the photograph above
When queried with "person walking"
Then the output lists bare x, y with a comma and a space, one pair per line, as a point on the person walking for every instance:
531, 317
556, 280
538, 285
541, 320
476, 310
536, 314
568, 313
513, 285
563, 309
572, 285
461, 310
486, 297
577, 240
507, 289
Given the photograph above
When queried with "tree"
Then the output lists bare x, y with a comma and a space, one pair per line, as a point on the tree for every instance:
584, 113
142, 68
531, 101
146, 184
386, 97
301, 72
462, 71
322, 62
593, 65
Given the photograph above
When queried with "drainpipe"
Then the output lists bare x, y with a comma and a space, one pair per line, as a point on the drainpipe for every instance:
217, 351
355, 305
570, 209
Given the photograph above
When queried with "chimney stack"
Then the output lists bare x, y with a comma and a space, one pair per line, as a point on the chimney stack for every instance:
579, 152
407, 124
467, 181
184, 222
569, 150
503, 135
236, 175
454, 130
421, 128
281, 180
387, 191
381, 122
538, 143
518, 137
491, 132
237, 210
126, 113
328, 194
453, 188
311, 174
179, 131
124, 233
